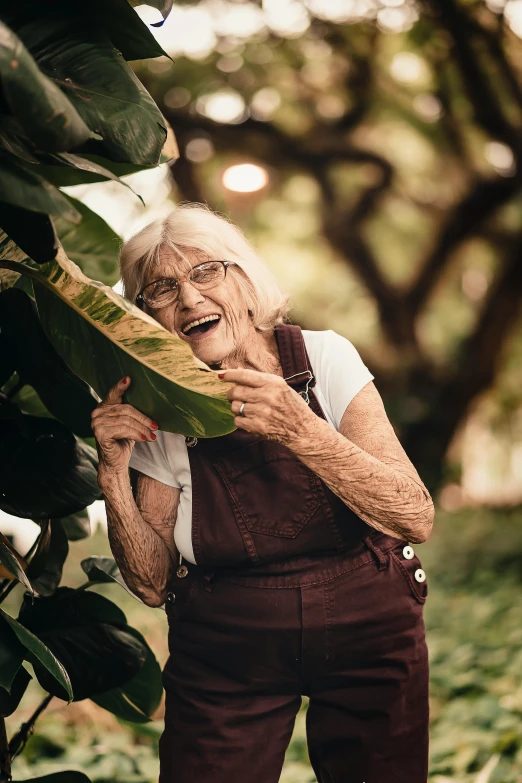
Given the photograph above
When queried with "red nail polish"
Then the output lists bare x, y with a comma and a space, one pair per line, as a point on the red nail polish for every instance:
144, 437
221, 374
126, 380
152, 436
154, 425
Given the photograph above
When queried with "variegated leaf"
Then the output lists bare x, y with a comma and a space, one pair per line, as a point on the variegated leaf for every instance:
103, 337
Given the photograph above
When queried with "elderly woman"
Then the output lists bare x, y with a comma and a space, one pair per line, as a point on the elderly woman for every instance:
282, 551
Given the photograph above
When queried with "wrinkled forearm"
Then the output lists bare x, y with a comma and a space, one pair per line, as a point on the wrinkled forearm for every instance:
385, 495
142, 556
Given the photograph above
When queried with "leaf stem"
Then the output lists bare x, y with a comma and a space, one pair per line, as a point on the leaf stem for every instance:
19, 740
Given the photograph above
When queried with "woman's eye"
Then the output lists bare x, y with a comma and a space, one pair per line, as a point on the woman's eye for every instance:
201, 275
162, 288
205, 273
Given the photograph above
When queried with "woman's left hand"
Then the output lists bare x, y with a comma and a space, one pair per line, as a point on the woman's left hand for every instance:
272, 408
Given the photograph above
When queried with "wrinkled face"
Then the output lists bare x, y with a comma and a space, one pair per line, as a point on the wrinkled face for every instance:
216, 339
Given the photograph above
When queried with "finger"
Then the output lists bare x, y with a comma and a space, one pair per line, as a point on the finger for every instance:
247, 377
124, 432
128, 411
115, 394
243, 423
246, 393
248, 410
127, 421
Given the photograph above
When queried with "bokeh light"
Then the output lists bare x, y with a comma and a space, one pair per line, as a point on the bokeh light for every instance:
199, 150
176, 97
513, 16
501, 158
287, 18
428, 107
408, 67
264, 103
245, 178
222, 106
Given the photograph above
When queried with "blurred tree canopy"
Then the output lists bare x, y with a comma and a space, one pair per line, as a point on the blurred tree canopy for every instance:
392, 131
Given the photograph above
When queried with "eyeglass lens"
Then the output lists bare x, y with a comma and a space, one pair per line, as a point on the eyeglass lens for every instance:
165, 291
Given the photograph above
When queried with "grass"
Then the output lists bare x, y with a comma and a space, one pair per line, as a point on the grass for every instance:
473, 619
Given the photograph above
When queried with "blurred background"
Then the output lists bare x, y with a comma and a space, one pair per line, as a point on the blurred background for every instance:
372, 152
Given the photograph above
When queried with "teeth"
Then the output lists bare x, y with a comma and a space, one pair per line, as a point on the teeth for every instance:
200, 321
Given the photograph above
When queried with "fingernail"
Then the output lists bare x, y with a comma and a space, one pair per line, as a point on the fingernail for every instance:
154, 425
144, 437
126, 380
152, 436
221, 374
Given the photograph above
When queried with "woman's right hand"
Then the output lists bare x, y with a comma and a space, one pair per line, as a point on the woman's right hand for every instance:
117, 427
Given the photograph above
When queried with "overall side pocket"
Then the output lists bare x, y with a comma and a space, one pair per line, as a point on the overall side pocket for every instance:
410, 567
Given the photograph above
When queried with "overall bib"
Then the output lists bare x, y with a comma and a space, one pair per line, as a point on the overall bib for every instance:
293, 594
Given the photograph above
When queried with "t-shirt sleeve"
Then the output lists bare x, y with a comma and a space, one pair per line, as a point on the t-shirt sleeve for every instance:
343, 373
151, 459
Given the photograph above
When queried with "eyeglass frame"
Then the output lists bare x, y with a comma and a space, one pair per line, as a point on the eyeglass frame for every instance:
140, 301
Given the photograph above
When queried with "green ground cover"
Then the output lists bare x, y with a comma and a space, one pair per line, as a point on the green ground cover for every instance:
474, 622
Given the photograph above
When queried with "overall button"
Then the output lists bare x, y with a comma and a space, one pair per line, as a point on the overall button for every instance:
420, 576
182, 571
408, 553
171, 598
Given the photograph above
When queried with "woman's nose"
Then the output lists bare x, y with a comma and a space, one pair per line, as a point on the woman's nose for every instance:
189, 295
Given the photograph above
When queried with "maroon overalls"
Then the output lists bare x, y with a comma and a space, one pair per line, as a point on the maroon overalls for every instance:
293, 594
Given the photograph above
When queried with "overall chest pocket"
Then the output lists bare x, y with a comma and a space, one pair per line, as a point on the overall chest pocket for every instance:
272, 491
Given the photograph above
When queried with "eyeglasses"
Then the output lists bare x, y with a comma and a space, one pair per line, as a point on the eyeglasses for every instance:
165, 290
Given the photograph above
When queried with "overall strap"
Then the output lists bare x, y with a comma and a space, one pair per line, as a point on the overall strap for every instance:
297, 370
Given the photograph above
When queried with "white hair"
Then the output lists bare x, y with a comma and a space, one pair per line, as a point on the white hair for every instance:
196, 227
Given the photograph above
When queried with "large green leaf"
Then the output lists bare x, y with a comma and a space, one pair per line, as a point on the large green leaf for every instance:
69, 607
27, 399
46, 115
93, 245
103, 570
98, 657
40, 366
45, 568
140, 696
45, 472
74, 48
11, 656
126, 30
32, 231
116, 702
36, 652
103, 337
27, 190
145, 689
9, 700
77, 526
65, 169
89, 634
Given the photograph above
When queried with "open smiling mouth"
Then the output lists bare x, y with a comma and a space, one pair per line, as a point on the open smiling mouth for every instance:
202, 329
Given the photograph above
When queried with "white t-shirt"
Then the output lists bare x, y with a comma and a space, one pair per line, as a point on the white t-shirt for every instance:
339, 374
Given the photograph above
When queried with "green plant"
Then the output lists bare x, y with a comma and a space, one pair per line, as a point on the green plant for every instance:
71, 111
